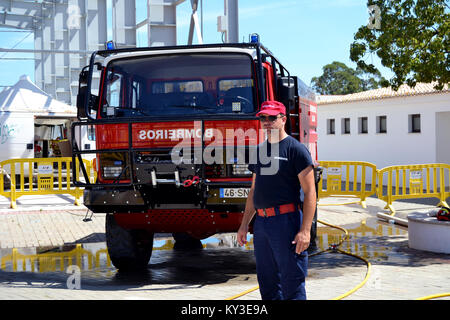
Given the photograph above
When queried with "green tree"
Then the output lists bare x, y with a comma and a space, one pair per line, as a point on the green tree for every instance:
412, 39
337, 78
369, 80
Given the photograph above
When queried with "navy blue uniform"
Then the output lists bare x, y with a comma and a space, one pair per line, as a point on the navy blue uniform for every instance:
281, 272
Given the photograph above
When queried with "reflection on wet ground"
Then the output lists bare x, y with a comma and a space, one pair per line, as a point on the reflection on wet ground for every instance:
219, 261
362, 238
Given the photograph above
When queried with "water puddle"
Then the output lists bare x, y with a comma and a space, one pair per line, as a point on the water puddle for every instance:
371, 239
364, 240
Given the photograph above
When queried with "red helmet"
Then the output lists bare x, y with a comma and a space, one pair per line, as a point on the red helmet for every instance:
443, 214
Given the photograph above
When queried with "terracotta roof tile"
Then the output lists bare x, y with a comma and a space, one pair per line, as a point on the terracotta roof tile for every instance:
381, 93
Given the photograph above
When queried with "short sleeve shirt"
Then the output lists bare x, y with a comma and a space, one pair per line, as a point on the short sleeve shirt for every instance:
277, 167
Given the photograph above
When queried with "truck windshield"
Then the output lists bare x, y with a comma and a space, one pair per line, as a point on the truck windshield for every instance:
179, 84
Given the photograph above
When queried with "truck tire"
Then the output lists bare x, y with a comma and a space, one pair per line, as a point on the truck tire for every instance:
128, 249
184, 241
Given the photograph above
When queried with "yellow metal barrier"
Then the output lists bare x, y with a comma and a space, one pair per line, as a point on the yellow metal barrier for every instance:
39, 176
413, 181
344, 179
339, 174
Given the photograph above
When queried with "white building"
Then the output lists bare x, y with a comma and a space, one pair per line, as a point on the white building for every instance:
385, 127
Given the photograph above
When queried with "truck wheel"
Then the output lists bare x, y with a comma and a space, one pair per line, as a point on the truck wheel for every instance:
128, 249
184, 241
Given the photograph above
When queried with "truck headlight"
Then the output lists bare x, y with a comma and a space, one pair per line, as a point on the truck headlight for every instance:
113, 165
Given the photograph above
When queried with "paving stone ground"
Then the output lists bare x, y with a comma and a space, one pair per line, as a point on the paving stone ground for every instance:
397, 271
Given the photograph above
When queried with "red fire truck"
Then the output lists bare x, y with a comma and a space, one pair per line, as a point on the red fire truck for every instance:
174, 130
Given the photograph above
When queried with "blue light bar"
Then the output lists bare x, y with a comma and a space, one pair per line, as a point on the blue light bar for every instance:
254, 38
110, 45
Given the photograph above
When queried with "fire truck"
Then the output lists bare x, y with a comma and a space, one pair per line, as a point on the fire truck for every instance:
174, 130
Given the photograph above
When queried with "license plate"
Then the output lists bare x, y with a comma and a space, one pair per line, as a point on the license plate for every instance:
234, 192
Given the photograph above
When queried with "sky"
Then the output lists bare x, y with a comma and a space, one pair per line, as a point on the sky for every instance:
304, 35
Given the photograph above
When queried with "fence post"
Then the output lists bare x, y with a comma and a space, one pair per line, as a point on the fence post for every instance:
14, 259
442, 198
78, 193
75, 178
13, 199
386, 198
389, 205
363, 186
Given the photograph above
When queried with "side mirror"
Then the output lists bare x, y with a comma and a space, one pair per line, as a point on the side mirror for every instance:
286, 95
84, 111
286, 90
82, 91
81, 110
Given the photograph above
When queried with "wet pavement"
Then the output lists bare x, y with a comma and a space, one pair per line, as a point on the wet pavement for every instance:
54, 255
170, 275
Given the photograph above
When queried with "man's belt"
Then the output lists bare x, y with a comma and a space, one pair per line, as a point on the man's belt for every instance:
282, 209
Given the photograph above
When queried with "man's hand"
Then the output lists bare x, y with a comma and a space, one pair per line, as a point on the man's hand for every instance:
242, 235
302, 241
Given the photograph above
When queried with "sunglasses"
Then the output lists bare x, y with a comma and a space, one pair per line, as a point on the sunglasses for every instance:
269, 118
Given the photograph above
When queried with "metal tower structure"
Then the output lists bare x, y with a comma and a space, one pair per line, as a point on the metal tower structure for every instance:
62, 43
66, 32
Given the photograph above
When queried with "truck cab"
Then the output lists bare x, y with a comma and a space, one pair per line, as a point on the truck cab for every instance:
175, 129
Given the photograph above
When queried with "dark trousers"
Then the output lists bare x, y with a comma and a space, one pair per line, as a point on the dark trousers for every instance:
281, 272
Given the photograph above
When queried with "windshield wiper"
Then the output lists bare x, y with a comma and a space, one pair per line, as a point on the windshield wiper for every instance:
140, 112
200, 107
132, 111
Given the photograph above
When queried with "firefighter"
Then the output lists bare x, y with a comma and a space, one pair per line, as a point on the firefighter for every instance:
281, 229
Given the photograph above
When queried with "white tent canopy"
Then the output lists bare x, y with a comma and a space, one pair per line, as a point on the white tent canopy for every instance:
25, 96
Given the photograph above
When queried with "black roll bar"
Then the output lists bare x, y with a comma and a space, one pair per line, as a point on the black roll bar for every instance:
105, 53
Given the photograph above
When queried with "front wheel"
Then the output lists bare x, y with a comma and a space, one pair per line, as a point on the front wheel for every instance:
128, 249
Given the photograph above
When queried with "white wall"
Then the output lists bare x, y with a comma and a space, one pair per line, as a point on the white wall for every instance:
397, 146
16, 131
